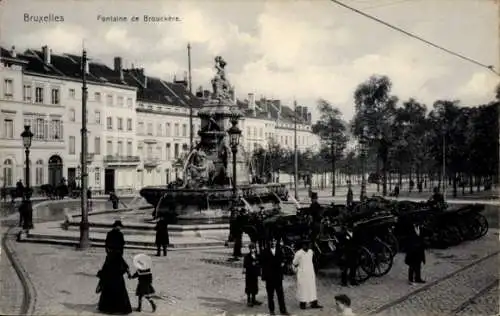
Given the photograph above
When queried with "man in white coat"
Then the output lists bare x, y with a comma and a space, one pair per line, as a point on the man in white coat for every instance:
306, 278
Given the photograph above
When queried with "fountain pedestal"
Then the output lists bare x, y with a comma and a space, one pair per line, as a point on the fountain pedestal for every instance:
206, 191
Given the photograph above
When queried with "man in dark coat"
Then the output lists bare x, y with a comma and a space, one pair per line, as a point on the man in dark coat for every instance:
114, 200
349, 264
437, 199
236, 228
415, 255
25, 216
350, 195
272, 273
316, 213
162, 239
115, 241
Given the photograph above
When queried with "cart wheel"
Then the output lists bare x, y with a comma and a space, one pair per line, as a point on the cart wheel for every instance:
365, 264
483, 224
393, 243
450, 236
288, 255
384, 258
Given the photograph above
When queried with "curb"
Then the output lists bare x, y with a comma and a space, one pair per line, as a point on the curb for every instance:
29, 292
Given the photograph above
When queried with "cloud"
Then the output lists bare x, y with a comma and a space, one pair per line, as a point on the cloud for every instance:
67, 38
302, 49
479, 84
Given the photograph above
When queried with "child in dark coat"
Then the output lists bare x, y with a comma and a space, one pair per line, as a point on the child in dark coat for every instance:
251, 270
144, 285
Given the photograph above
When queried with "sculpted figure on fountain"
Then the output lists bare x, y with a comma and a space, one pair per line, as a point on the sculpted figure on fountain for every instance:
200, 171
221, 87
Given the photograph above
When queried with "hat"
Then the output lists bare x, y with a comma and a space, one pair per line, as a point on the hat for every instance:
117, 223
314, 195
344, 299
142, 261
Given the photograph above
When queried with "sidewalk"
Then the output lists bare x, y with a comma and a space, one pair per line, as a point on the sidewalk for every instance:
204, 283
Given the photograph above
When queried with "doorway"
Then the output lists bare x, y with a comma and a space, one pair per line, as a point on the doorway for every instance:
71, 174
109, 180
55, 170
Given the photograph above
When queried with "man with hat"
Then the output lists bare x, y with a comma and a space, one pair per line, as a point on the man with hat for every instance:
316, 212
273, 263
115, 241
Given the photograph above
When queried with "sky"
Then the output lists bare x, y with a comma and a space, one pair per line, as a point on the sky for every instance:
281, 49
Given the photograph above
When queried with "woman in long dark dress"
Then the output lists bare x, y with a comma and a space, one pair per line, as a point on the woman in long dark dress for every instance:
114, 296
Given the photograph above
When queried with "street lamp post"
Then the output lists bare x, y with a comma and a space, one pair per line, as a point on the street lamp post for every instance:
27, 136
362, 195
234, 140
84, 221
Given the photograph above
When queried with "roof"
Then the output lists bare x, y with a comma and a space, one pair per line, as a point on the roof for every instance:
273, 107
156, 90
149, 89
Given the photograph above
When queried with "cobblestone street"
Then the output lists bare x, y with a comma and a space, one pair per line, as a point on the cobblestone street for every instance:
203, 283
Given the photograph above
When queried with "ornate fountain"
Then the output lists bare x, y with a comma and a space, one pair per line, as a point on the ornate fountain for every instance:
206, 189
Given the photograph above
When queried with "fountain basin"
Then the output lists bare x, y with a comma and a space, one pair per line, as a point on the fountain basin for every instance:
206, 205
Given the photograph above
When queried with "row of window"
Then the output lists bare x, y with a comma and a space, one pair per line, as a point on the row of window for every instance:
8, 174
119, 124
165, 131
152, 152
42, 128
55, 96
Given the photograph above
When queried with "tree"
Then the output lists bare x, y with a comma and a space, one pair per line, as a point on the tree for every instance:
409, 128
332, 131
374, 117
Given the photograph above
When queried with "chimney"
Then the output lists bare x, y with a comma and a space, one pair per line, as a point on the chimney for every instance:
251, 102
13, 53
119, 66
46, 54
309, 118
304, 113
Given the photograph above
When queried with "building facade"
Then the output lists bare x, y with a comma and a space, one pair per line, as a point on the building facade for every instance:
138, 125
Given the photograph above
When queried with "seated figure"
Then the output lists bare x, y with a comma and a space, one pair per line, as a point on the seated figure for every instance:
200, 171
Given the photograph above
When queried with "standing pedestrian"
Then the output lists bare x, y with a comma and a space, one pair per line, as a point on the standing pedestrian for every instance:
114, 296
343, 305
236, 228
25, 216
115, 241
162, 239
272, 274
144, 275
251, 269
306, 277
89, 198
350, 195
349, 264
114, 200
415, 255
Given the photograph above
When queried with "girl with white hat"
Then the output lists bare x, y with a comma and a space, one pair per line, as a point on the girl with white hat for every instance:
145, 283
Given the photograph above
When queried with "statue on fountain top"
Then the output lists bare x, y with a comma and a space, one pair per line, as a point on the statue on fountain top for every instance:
220, 85
200, 171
